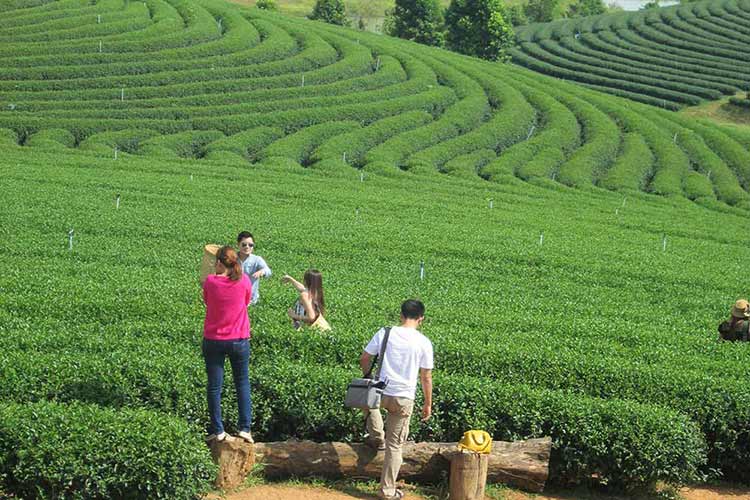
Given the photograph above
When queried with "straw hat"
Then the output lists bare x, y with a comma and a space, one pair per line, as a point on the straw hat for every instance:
741, 309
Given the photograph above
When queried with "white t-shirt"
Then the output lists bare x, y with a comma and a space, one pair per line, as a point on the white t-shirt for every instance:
407, 351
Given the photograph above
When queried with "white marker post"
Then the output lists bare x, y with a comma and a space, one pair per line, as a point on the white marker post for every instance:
117, 201
303, 80
344, 157
115, 152
377, 63
361, 176
100, 46
122, 94
421, 270
491, 203
664, 243
191, 177
541, 238
70, 240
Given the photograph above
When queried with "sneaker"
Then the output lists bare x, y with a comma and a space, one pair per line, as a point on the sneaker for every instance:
398, 496
222, 436
246, 436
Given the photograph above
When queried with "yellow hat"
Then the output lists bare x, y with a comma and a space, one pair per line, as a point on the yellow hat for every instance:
478, 441
741, 309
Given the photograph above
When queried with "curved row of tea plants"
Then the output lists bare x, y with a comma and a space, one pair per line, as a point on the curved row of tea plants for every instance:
669, 57
261, 70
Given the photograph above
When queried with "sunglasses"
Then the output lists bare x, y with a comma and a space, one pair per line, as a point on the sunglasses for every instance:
250, 245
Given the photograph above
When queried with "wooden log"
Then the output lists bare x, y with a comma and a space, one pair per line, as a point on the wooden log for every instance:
521, 464
468, 476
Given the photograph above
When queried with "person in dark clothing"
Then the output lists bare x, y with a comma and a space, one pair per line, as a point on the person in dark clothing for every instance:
737, 327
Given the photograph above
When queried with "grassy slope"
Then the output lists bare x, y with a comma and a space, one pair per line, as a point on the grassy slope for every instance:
721, 112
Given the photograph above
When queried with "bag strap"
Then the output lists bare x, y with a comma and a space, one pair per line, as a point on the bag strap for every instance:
381, 356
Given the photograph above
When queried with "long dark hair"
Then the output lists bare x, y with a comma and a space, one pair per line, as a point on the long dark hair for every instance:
313, 281
228, 257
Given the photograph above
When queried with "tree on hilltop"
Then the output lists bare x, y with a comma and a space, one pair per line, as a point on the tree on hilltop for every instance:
542, 11
479, 28
266, 4
418, 20
583, 8
516, 15
330, 11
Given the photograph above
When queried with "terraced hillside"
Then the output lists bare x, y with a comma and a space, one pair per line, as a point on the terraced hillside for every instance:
587, 314
668, 57
206, 80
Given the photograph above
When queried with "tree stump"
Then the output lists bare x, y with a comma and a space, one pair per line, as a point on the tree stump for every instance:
235, 459
468, 476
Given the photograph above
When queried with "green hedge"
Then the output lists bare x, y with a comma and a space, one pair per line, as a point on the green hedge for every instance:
293, 398
8, 137
600, 147
190, 144
740, 102
128, 141
626, 443
357, 143
49, 450
248, 143
469, 165
632, 167
51, 138
300, 145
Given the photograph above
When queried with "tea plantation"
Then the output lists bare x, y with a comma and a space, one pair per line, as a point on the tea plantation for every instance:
579, 248
668, 57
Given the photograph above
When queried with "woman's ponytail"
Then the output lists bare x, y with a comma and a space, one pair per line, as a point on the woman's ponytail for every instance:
229, 259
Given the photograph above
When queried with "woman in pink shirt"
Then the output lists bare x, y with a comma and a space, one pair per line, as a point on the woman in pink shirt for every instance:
226, 333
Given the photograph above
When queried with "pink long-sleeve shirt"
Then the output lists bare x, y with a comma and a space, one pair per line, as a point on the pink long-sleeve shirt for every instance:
226, 307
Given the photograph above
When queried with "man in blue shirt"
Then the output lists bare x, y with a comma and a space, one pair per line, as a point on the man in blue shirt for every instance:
252, 265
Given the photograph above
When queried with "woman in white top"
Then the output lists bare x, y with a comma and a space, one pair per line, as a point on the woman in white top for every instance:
310, 306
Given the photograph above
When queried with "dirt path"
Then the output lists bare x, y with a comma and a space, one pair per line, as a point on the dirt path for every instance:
304, 492
301, 492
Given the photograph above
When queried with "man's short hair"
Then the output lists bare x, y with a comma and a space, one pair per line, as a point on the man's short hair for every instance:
245, 234
412, 309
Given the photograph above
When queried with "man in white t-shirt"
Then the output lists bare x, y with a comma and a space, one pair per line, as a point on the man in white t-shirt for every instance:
408, 355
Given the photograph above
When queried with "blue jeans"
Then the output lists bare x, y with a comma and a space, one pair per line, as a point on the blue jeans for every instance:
214, 353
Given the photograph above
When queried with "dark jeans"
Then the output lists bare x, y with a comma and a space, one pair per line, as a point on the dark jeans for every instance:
214, 353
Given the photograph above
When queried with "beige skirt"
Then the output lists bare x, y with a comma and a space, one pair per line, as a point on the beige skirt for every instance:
321, 324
